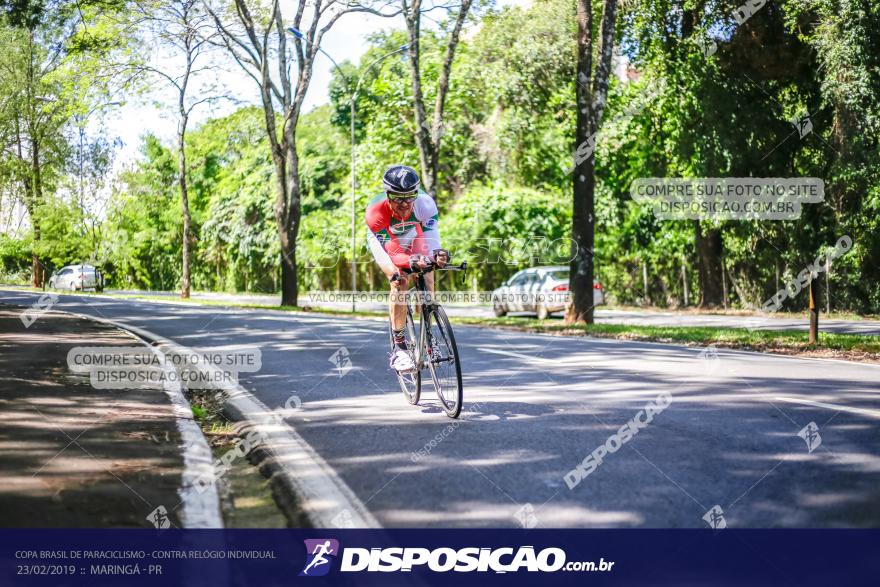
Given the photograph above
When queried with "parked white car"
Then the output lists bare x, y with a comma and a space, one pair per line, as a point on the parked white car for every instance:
77, 278
542, 290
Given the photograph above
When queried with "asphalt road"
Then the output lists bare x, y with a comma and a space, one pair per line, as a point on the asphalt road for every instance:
640, 318
536, 405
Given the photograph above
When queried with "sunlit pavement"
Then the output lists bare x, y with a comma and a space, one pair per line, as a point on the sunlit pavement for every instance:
537, 405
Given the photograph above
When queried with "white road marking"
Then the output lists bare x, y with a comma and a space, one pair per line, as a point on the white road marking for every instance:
860, 411
576, 361
519, 355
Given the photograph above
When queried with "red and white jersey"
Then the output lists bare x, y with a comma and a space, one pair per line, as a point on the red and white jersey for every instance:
393, 240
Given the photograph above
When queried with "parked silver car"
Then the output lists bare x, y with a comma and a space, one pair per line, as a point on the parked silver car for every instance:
542, 290
77, 277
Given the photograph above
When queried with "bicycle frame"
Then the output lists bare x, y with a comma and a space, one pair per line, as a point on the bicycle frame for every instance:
427, 306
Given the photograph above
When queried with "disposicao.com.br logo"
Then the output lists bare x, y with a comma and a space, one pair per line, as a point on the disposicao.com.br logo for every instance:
444, 559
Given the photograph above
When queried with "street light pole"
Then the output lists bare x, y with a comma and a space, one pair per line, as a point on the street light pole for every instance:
352, 99
353, 211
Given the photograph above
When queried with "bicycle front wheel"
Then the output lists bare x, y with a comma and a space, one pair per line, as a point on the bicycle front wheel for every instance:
443, 361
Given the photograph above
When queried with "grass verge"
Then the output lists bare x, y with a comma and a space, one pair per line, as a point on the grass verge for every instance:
793, 342
246, 498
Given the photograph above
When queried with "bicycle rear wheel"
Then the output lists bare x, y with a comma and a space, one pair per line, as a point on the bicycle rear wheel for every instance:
443, 361
410, 382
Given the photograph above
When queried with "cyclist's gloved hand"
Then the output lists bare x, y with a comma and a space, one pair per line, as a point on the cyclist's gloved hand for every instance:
417, 262
441, 257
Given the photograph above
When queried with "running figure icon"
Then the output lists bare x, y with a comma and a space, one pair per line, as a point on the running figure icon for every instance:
320, 553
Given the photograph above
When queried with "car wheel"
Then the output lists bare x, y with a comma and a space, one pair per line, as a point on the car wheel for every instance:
498, 309
542, 312
72, 286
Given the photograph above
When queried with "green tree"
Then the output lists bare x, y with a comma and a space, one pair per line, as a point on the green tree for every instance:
183, 29
52, 51
230, 185
257, 39
500, 229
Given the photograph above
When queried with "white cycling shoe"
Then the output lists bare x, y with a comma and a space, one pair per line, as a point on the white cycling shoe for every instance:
401, 361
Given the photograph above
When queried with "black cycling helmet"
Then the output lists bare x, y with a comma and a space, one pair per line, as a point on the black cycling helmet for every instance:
401, 180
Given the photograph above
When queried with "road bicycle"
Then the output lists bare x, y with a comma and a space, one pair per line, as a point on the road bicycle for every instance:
431, 345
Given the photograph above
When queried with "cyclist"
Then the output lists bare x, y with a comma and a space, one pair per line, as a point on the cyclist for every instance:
403, 234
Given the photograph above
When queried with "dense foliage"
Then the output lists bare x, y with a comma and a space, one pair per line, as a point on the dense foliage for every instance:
699, 95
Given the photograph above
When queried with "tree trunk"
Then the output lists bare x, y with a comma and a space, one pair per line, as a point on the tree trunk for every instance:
709, 248
442, 89
428, 134
582, 221
413, 20
287, 208
583, 236
289, 287
36, 266
37, 197
743, 298
288, 212
253, 52
31, 180
708, 243
590, 104
184, 199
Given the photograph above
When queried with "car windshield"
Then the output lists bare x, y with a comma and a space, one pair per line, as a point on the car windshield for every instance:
561, 275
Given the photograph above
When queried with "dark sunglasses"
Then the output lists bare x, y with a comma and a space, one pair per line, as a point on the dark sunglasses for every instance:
404, 198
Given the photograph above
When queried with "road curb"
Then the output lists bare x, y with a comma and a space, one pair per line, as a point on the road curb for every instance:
303, 483
302, 479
